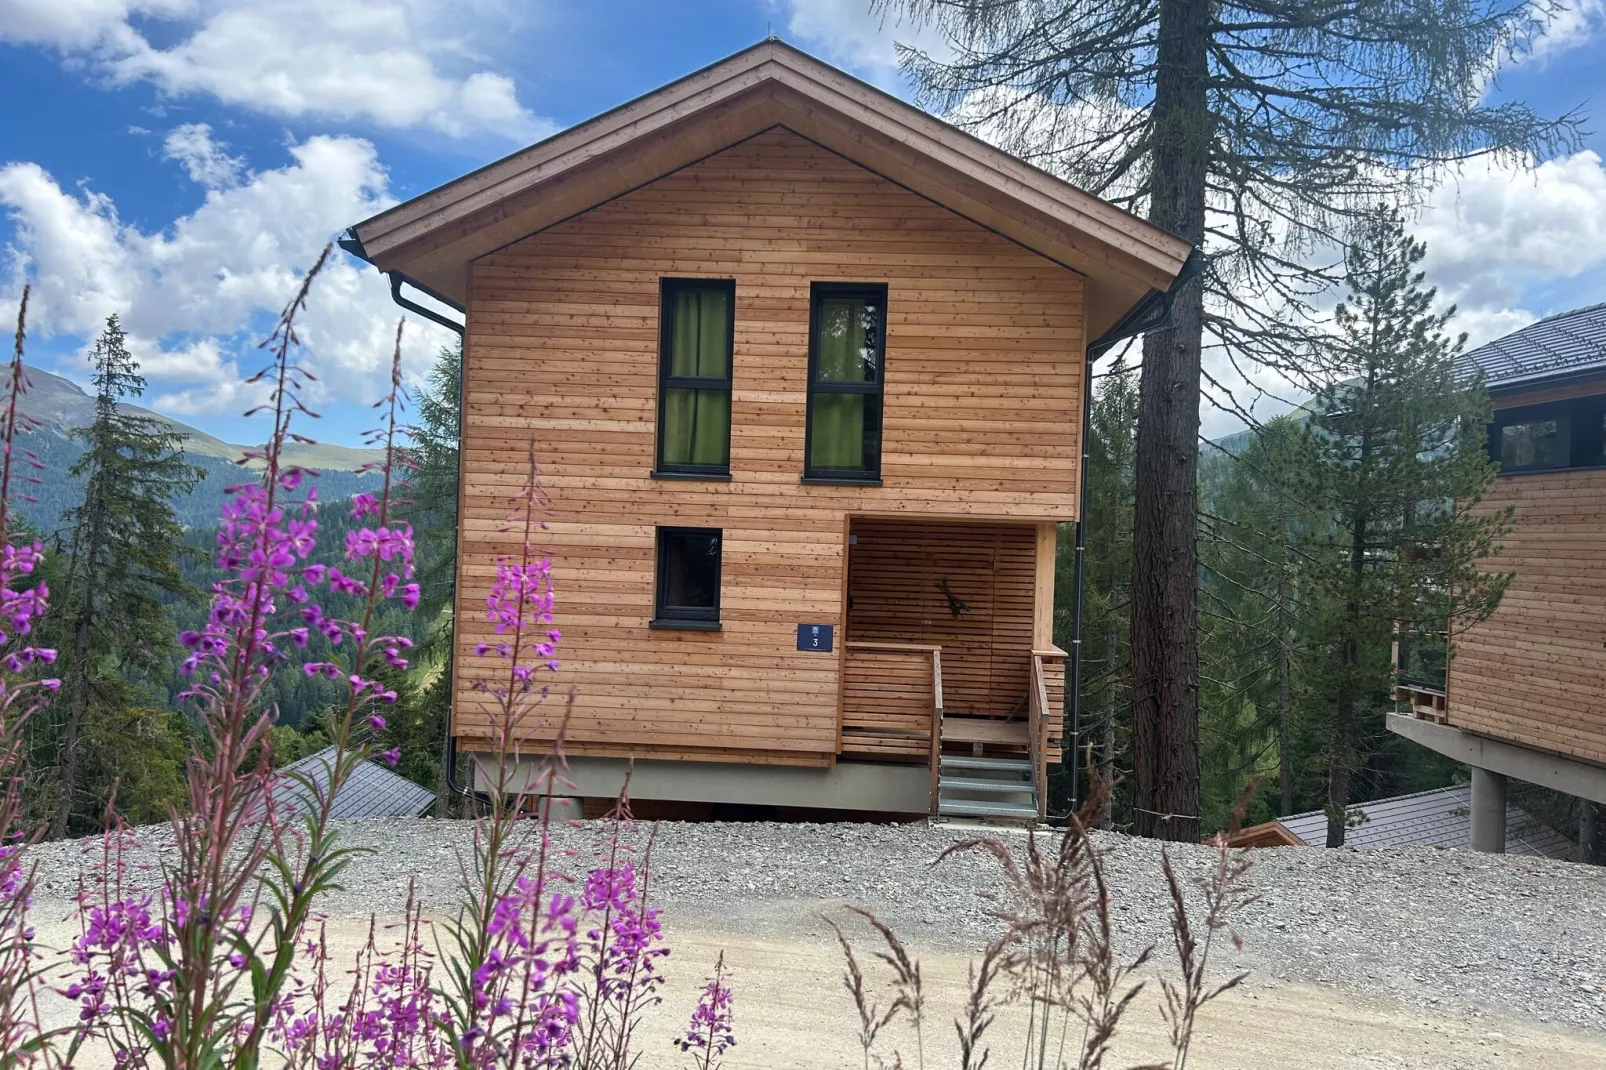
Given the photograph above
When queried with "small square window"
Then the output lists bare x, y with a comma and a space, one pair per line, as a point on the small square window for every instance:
688, 578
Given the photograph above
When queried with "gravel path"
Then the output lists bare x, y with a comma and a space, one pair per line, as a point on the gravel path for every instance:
1459, 932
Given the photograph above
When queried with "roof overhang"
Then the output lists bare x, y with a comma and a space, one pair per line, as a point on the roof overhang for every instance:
432, 239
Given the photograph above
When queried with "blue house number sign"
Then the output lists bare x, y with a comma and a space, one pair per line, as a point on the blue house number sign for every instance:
816, 637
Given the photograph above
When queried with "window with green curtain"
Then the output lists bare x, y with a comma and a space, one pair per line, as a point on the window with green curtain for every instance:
694, 396
847, 329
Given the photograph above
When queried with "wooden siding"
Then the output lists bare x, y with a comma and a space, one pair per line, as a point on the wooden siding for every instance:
983, 364
1535, 671
900, 576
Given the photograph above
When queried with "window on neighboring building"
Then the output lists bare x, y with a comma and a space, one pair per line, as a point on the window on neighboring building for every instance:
696, 323
688, 578
1558, 434
847, 344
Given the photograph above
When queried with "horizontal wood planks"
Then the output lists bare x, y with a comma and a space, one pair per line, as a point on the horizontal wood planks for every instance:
1535, 671
888, 696
981, 411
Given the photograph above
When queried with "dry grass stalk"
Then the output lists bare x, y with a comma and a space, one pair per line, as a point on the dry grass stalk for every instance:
1057, 952
871, 1018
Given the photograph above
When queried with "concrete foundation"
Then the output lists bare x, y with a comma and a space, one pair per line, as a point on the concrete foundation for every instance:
1495, 760
866, 786
1488, 811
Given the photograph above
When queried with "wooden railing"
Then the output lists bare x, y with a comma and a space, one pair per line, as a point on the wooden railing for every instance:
892, 703
935, 754
1037, 734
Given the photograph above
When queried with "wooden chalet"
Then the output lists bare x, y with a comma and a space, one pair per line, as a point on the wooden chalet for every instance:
804, 367
1525, 691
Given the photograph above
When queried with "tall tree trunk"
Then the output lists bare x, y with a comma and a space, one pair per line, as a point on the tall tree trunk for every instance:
77, 700
1165, 641
1341, 757
1285, 700
1107, 730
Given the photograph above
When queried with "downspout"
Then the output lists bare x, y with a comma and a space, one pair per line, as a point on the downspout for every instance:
1152, 311
352, 244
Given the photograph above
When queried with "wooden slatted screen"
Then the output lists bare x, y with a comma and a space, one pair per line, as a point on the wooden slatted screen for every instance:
964, 587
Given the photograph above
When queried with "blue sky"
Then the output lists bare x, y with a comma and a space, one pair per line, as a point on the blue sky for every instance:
177, 160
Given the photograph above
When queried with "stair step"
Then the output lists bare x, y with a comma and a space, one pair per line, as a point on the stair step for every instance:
1009, 787
991, 765
970, 808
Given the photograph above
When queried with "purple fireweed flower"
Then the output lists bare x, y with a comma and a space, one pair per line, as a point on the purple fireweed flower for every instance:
391, 757
711, 1031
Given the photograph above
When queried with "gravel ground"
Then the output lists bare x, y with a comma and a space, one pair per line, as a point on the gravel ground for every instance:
1458, 932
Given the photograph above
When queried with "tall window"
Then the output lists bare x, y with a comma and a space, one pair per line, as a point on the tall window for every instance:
1557, 434
688, 578
696, 324
847, 343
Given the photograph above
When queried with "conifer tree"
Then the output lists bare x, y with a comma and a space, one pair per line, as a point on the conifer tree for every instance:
418, 722
110, 627
1254, 618
1398, 450
1252, 129
1106, 711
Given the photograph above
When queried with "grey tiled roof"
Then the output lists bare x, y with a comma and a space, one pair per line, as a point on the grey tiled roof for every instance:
370, 791
1438, 818
1563, 344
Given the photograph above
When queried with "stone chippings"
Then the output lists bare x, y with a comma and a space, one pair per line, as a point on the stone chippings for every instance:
1447, 929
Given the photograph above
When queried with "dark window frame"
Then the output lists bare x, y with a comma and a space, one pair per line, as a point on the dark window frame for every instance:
1579, 427
863, 477
667, 288
686, 618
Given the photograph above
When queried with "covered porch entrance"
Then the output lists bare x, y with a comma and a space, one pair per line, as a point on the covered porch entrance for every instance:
948, 659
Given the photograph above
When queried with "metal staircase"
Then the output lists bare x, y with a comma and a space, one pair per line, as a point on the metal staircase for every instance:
1001, 788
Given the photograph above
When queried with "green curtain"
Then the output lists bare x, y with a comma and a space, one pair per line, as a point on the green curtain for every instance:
697, 422
846, 355
837, 437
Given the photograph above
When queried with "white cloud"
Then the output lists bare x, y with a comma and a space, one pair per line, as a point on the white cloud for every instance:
193, 295
204, 159
1497, 229
1571, 24
847, 33
396, 63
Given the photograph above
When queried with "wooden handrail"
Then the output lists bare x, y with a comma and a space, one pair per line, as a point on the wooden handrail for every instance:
912, 648
1037, 744
936, 726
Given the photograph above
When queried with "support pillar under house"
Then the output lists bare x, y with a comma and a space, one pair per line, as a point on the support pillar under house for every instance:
1488, 811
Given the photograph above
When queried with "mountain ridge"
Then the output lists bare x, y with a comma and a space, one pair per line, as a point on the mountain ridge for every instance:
55, 399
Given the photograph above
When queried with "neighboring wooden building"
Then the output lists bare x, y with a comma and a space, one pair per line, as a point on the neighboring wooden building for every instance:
804, 368
1526, 689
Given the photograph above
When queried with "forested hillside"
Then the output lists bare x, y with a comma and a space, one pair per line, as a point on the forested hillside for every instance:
60, 406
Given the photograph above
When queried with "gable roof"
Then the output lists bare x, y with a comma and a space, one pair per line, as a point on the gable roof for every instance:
1441, 817
370, 791
1566, 345
431, 239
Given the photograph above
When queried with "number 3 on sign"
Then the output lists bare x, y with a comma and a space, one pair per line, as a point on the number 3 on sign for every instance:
815, 638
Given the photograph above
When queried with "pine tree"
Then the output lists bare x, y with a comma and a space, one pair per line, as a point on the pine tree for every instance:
110, 627
1251, 130
433, 481
1396, 443
419, 721
1254, 618
1106, 712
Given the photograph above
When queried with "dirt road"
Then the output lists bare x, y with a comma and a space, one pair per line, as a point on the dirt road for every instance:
792, 1014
